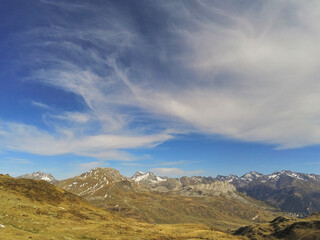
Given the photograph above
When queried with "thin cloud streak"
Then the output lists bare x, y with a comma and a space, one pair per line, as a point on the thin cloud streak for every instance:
175, 163
18, 161
40, 105
90, 165
174, 172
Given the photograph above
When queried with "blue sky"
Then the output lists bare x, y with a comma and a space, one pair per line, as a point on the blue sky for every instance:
175, 87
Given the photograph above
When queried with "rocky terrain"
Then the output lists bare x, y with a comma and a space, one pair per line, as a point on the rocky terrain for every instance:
217, 203
292, 192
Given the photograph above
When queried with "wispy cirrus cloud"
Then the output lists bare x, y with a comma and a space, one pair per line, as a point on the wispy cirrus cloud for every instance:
253, 71
18, 161
243, 72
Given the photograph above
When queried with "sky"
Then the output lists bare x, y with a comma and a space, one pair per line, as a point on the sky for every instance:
186, 87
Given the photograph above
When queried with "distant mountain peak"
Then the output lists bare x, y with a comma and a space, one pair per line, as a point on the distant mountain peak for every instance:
40, 176
253, 173
94, 183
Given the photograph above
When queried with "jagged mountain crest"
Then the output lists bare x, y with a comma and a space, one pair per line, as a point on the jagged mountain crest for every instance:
147, 177
250, 176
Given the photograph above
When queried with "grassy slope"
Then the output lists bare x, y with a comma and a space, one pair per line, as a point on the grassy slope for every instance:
32, 209
221, 213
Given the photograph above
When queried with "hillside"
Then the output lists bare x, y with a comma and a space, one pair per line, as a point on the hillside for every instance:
33, 209
217, 204
284, 228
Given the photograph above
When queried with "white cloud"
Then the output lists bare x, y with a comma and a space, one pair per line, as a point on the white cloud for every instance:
25, 138
174, 172
90, 165
175, 163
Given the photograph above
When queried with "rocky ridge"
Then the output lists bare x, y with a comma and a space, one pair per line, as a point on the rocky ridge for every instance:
40, 176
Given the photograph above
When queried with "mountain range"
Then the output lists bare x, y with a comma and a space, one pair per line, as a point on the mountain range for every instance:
221, 203
217, 203
293, 192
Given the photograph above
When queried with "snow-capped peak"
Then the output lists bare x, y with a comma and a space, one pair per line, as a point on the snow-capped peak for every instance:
251, 176
228, 178
137, 174
148, 176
